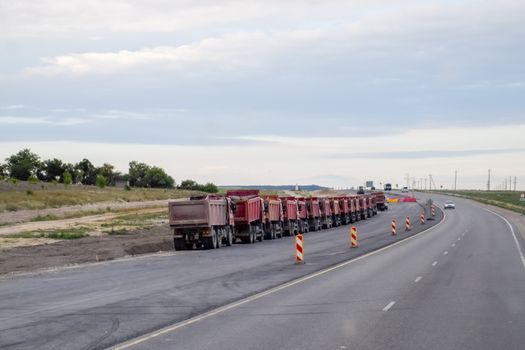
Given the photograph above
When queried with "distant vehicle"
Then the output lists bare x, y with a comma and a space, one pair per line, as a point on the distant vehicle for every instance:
404, 189
449, 205
361, 190
388, 187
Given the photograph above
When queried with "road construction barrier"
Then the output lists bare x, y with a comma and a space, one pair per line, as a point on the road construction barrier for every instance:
353, 237
422, 218
433, 210
394, 227
299, 249
407, 223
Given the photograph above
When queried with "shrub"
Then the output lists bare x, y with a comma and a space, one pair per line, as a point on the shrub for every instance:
29, 192
102, 181
33, 180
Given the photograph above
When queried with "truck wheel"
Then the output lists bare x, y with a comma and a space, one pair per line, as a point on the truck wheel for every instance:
179, 243
229, 237
218, 239
252, 237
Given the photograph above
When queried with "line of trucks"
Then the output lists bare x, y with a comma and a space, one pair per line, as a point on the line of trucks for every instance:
243, 215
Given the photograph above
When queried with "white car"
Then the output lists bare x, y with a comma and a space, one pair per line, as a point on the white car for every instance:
449, 205
404, 189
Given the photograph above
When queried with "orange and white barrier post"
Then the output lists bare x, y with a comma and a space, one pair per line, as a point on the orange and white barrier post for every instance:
394, 227
407, 223
433, 209
353, 237
422, 218
299, 249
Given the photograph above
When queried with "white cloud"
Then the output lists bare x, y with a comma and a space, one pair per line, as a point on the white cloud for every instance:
410, 30
15, 120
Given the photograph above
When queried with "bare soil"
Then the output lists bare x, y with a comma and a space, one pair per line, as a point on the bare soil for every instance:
85, 250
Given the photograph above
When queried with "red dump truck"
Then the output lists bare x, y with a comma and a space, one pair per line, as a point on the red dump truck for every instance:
314, 214
205, 221
290, 215
326, 213
363, 207
273, 217
336, 212
380, 200
345, 207
248, 215
354, 208
372, 204
302, 220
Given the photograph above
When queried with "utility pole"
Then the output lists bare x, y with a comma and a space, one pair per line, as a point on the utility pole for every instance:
456, 180
514, 183
488, 182
425, 184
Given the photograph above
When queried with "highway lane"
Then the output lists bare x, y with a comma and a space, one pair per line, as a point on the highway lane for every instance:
98, 305
459, 286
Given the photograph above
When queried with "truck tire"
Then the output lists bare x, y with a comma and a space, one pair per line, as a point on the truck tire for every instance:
229, 237
252, 238
218, 239
179, 244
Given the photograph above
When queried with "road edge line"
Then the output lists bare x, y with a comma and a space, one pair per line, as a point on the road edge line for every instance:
221, 309
520, 251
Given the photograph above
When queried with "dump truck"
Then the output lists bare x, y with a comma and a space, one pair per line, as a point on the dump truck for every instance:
354, 208
326, 213
336, 212
372, 204
380, 200
346, 214
273, 217
290, 216
314, 214
302, 220
248, 215
204, 221
363, 208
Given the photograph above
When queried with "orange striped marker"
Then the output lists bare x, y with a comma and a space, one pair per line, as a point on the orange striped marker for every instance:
394, 227
407, 223
299, 249
422, 218
353, 237
433, 208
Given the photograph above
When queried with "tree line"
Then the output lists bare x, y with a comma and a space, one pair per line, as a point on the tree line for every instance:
27, 166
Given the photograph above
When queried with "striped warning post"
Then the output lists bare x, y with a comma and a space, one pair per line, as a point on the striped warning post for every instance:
394, 227
422, 218
433, 209
353, 237
407, 223
299, 249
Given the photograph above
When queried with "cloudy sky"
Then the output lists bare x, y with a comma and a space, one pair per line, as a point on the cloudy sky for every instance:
275, 92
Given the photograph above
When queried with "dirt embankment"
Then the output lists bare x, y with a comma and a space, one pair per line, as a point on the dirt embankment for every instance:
88, 249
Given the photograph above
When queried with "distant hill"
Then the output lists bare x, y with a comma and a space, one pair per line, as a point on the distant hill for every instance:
275, 187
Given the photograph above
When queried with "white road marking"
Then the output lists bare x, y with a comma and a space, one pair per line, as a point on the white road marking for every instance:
445, 252
434, 263
418, 279
234, 305
453, 244
513, 235
459, 238
389, 305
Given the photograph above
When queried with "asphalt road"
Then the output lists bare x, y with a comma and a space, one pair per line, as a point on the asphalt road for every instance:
460, 285
100, 305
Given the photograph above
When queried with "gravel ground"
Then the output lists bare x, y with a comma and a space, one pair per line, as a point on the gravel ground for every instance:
84, 250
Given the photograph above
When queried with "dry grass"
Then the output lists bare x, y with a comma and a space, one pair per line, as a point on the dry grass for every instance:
503, 199
54, 198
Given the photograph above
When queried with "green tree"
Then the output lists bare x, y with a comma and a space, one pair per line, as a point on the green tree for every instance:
137, 174
108, 171
101, 181
51, 169
188, 185
157, 178
87, 171
67, 178
210, 188
23, 164
3, 171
